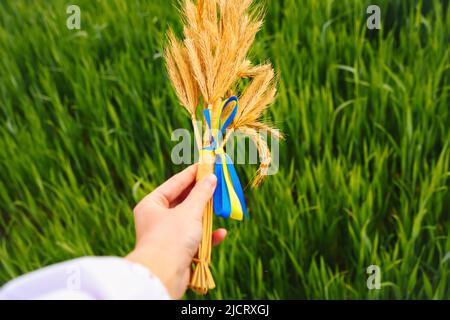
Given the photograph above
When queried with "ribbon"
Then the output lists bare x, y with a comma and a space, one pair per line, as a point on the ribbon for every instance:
228, 198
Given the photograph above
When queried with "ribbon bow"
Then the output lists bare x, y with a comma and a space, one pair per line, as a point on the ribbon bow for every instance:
228, 198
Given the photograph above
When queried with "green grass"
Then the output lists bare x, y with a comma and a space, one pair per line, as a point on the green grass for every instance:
86, 117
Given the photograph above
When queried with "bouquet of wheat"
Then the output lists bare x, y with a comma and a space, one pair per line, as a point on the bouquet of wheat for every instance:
205, 68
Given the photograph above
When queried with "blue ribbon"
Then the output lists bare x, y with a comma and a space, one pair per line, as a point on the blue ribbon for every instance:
228, 198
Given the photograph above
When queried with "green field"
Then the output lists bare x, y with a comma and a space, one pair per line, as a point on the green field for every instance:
86, 117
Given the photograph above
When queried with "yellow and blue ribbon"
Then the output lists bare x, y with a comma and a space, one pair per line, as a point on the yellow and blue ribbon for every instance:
228, 198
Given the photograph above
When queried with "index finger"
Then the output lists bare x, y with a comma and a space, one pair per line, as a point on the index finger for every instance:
169, 191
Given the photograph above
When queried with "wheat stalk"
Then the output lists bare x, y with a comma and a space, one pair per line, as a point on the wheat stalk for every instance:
204, 68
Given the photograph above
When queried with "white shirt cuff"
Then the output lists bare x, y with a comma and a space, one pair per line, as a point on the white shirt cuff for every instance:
87, 278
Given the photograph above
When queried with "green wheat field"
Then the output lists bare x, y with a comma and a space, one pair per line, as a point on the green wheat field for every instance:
86, 118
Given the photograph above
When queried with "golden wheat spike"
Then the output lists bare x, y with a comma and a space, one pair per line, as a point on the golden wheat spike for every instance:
259, 94
180, 74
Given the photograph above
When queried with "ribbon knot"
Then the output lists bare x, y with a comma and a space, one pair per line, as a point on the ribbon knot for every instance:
228, 198
219, 151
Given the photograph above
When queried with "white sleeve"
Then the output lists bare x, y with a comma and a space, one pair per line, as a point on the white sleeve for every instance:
87, 278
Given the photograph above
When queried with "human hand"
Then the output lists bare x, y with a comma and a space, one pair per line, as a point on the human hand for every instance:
169, 228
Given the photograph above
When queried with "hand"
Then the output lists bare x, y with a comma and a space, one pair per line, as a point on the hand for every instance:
169, 228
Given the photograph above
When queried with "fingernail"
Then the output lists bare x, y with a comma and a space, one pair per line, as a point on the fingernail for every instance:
211, 180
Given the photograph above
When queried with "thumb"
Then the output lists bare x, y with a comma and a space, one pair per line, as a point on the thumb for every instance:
202, 192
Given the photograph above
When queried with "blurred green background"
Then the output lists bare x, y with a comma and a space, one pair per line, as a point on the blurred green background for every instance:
86, 117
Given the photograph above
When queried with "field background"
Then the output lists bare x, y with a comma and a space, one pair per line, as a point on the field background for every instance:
86, 117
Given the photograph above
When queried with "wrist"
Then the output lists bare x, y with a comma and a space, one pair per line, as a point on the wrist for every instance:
158, 263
